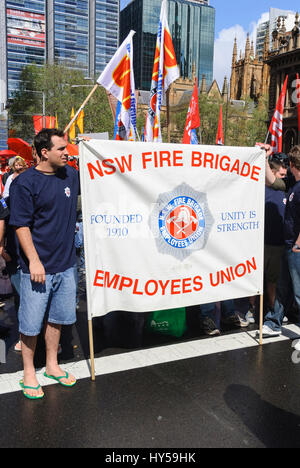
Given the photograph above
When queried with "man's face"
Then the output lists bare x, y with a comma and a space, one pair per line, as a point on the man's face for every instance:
281, 173
58, 155
294, 171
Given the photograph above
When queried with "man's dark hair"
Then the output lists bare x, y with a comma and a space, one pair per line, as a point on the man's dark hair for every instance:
43, 139
280, 158
276, 165
294, 156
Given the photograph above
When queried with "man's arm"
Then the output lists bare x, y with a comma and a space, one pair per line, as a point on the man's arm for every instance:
3, 253
36, 268
270, 177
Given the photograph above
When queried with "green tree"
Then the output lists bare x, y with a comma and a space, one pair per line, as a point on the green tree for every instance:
63, 88
243, 124
209, 117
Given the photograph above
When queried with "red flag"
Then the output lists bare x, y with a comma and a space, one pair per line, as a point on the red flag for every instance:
276, 123
38, 122
193, 119
49, 122
298, 100
220, 136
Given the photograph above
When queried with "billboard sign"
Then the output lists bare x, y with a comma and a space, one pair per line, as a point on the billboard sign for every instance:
26, 28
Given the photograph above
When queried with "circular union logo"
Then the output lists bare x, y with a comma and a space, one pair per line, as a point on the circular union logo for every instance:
181, 222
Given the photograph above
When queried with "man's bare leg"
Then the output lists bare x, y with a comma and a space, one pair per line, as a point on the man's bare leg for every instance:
52, 338
28, 351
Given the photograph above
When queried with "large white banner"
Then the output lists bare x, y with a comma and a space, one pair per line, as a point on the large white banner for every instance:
170, 225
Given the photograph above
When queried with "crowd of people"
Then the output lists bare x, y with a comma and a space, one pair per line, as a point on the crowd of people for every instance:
38, 222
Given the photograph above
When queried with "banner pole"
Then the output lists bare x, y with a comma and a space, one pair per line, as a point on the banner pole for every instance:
86, 257
266, 140
92, 355
81, 107
261, 319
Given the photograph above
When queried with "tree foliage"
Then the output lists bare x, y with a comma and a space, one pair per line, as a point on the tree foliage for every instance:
63, 89
242, 125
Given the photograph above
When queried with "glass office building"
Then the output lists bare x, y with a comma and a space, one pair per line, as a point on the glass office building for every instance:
81, 34
192, 26
71, 33
85, 33
106, 32
26, 38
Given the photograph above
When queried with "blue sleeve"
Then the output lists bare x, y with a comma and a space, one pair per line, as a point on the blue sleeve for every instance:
21, 206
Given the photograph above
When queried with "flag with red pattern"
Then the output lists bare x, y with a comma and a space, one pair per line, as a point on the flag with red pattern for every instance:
165, 71
276, 123
193, 118
118, 79
220, 135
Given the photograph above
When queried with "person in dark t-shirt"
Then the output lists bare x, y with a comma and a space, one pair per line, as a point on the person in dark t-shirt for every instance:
288, 288
275, 203
43, 203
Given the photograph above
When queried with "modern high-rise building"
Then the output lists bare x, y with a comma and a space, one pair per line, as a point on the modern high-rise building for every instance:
261, 33
81, 34
192, 26
274, 13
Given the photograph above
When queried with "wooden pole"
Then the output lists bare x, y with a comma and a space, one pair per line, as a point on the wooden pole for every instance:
168, 114
200, 135
92, 355
81, 107
110, 105
261, 319
266, 140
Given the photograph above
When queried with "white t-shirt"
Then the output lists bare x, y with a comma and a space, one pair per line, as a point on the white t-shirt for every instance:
7, 185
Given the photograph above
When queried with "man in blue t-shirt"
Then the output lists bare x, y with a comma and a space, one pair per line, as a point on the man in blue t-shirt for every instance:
275, 203
288, 288
43, 211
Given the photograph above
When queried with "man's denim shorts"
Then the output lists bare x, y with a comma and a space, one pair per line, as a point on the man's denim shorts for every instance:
54, 301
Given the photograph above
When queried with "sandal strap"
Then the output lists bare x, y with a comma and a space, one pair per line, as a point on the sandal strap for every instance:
66, 376
28, 387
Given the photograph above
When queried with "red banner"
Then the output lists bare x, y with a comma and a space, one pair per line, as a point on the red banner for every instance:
276, 123
39, 123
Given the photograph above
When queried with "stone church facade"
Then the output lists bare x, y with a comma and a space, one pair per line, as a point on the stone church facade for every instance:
253, 77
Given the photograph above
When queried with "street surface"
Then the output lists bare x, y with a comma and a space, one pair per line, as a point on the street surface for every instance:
156, 392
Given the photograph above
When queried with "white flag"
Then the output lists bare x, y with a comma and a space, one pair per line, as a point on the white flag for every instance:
165, 71
118, 79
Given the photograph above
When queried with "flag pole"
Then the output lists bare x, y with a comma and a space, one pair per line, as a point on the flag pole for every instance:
138, 135
168, 115
108, 94
81, 107
200, 136
266, 140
